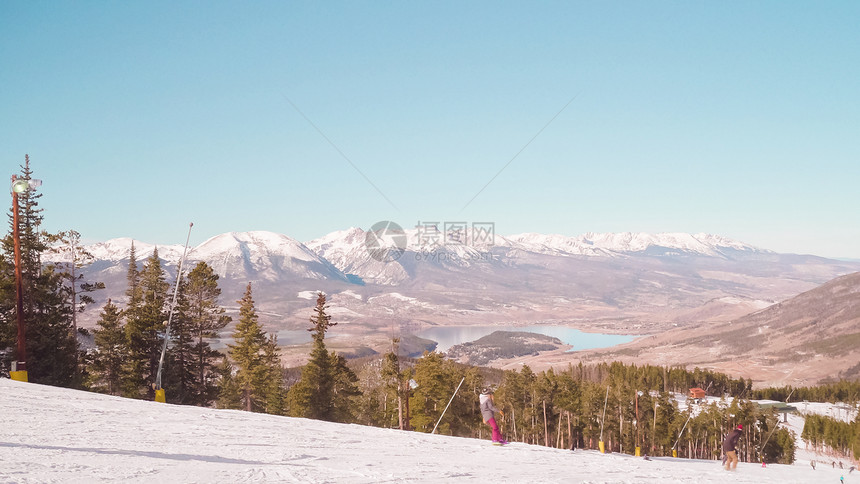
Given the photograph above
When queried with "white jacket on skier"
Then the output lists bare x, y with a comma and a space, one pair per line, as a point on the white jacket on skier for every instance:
488, 413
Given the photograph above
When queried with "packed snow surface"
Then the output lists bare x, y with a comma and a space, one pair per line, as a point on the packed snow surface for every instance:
59, 435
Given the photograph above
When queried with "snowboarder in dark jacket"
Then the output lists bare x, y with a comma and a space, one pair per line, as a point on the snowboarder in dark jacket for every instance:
729, 447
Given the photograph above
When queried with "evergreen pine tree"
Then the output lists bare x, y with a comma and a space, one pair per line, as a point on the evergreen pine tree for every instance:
32, 242
8, 328
178, 374
434, 389
51, 349
247, 354
106, 374
144, 328
345, 392
206, 317
275, 391
133, 291
229, 393
437, 379
313, 395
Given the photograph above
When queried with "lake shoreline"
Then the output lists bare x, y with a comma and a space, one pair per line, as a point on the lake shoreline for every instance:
579, 340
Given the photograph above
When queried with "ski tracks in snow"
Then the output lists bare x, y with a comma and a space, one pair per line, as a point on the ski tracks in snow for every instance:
51, 434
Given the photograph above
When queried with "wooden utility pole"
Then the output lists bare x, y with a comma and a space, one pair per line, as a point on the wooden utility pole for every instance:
21, 354
545, 427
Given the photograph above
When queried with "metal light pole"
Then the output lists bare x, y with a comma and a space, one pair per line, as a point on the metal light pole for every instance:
19, 366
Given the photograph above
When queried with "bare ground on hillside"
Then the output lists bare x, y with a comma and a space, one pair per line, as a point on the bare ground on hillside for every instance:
762, 364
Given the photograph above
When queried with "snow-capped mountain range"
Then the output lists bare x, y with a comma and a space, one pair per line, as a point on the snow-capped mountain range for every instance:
615, 244
519, 279
342, 246
269, 256
265, 253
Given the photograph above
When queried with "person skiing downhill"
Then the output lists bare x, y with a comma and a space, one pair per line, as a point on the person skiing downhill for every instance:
488, 413
729, 445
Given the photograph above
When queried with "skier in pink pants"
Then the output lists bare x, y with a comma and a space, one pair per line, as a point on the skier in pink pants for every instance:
488, 412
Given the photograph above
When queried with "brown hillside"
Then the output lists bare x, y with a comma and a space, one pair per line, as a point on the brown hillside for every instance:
810, 338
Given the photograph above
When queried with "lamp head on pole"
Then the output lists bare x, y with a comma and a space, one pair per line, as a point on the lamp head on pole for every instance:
21, 185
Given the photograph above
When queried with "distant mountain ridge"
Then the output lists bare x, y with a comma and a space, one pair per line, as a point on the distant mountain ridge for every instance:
338, 255
629, 283
340, 246
609, 244
262, 253
346, 249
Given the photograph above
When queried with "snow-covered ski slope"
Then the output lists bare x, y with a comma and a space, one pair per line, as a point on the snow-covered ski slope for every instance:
51, 434
794, 422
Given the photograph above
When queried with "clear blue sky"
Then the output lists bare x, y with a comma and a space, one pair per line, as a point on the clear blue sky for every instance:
735, 118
